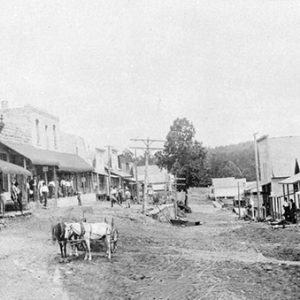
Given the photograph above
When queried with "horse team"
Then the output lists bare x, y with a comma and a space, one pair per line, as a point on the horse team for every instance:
81, 233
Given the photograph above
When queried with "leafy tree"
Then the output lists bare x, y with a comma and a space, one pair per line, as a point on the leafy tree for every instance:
183, 155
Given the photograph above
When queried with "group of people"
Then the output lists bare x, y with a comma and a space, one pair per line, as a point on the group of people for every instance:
289, 210
120, 195
39, 190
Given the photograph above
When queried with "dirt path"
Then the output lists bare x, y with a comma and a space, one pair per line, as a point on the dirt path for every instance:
24, 253
218, 260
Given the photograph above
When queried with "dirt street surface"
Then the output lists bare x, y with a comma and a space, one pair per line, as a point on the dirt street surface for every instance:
222, 259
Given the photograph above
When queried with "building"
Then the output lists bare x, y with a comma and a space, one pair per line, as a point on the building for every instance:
32, 139
228, 190
159, 179
276, 159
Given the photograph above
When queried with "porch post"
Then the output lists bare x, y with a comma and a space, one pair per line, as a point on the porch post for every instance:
98, 183
26, 192
56, 183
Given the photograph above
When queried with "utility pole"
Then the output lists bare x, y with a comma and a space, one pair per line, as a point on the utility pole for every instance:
147, 149
109, 174
136, 178
257, 176
239, 199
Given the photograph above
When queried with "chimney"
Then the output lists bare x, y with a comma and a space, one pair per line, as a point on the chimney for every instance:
4, 104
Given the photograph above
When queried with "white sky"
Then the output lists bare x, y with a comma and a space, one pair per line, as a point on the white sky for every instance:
115, 70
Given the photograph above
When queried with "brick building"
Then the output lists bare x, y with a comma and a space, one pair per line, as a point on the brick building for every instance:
32, 138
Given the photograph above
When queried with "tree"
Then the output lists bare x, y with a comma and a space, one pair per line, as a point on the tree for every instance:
183, 155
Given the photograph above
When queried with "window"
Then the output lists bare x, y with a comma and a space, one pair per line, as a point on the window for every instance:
37, 128
54, 136
46, 136
3, 156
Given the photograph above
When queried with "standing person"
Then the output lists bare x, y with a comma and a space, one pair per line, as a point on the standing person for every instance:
51, 187
63, 187
16, 195
127, 197
40, 184
121, 194
68, 187
44, 193
293, 211
32, 184
28, 189
71, 186
286, 208
150, 193
83, 180
113, 194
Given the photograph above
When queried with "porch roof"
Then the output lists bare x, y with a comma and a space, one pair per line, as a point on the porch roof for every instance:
121, 173
64, 161
8, 168
291, 180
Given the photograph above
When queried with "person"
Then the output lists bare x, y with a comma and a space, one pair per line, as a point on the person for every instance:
286, 208
127, 197
150, 193
63, 187
113, 194
28, 189
40, 184
51, 187
16, 195
32, 187
44, 193
120, 195
68, 188
293, 211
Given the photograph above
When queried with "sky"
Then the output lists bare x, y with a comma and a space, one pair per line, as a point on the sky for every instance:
115, 70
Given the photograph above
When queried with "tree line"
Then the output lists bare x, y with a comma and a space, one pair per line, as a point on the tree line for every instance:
185, 157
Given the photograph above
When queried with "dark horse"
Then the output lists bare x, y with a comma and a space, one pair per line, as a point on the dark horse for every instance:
58, 234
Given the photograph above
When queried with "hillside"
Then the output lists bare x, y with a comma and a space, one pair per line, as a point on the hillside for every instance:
236, 160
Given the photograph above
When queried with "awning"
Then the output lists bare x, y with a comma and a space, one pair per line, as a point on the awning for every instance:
8, 168
72, 163
291, 180
121, 174
37, 156
66, 162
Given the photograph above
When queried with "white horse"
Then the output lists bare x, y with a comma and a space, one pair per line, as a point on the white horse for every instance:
93, 231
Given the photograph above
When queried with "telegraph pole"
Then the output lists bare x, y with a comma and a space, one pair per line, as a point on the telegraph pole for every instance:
109, 174
147, 149
257, 176
136, 178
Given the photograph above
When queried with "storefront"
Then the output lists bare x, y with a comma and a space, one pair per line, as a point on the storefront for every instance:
8, 173
52, 166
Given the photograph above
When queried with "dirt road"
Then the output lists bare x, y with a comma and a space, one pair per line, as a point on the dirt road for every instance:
221, 259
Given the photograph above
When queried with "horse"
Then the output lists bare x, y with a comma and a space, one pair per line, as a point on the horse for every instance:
94, 231
58, 234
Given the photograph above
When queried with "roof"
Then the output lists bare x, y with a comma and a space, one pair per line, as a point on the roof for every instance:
224, 182
228, 186
64, 161
155, 174
121, 173
8, 168
293, 179
251, 187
